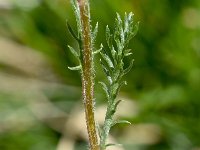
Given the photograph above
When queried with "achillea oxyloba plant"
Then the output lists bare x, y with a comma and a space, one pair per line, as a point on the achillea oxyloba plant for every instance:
112, 64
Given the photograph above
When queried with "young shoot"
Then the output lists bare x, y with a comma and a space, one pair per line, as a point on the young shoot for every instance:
112, 62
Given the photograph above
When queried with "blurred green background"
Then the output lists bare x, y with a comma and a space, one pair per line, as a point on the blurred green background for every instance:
40, 99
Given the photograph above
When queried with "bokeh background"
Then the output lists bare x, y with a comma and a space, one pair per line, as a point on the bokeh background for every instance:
40, 99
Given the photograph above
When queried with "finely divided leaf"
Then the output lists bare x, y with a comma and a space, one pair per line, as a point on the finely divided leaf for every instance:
113, 66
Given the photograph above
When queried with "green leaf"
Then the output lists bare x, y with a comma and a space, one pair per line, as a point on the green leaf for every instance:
107, 125
72, 32
113, 66
127, 52
105, 88
120, 28
130, 16
108, 37
126, 23
135, 29
117, 103
129, 67
77, 15
99, 130
116, 74
107, 59
75, 68
119, 22
74, 52
114, 53
120, 85
113, 144
99, 50
94, 33
106, 71
115, 89
119, 48
130, 30
121, 122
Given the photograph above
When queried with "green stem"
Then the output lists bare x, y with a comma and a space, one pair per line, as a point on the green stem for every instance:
106, 129
107, 122
88, 74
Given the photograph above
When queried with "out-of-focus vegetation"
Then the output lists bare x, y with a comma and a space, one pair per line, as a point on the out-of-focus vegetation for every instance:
40, 99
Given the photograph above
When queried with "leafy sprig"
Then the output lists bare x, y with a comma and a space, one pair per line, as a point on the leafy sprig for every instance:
86, 38
78, 54
113, 66
112, 62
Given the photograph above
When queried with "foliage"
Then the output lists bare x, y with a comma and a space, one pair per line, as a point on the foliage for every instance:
113, 67
164, 83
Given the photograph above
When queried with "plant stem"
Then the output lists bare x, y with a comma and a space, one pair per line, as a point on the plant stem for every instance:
88, 74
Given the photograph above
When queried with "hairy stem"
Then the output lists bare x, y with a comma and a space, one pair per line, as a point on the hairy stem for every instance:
87, 74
